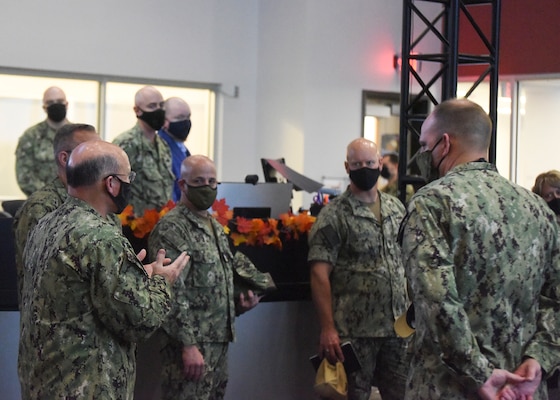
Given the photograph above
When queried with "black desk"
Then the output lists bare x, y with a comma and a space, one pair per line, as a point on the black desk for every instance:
8, 276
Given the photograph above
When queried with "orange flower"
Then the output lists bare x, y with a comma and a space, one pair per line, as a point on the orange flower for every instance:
142, 226
222, 213
260, 232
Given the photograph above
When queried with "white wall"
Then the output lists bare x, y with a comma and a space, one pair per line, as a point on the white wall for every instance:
315, 58
300, 66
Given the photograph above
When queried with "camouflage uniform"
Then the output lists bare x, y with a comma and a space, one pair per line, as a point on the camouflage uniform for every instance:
35, 164
393, 190
86, 300
482, 260
203, 310
368, 287
39, 204
153, 185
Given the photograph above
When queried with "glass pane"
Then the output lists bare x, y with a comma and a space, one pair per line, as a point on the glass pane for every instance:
481, 96
538, 138
120, 114
21, 106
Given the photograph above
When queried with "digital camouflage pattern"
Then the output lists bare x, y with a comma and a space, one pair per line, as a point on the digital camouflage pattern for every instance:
35, 165
393, 190
39, 204
86, 300
367, 281
247, 277
153, 185
482, 260
203, 309
368, 287
212, 385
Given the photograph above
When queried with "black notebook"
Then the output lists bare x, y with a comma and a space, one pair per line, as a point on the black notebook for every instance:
351, 362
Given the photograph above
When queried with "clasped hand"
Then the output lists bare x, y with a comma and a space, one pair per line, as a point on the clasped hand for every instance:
505, 385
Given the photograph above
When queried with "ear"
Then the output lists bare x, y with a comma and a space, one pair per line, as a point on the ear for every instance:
62, 158
111, 185
182, 184
347, 167
446, 143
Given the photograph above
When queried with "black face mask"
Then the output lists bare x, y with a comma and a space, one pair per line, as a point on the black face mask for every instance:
56, 112
180, 129
385, 172
154, 119
554, 205
121, 200
364, 178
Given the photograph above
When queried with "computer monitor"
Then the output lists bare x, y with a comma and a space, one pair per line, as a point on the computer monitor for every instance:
273, 196
270, 174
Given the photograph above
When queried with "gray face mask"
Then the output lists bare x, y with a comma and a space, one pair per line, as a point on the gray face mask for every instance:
424, 162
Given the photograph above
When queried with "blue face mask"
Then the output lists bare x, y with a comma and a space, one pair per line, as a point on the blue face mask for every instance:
180, 129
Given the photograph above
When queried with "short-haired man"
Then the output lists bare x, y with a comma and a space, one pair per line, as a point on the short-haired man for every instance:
53, 194
175, 131
357, 277
201, 323
149, 155
87, 299
483, 263
390, 172
34, 157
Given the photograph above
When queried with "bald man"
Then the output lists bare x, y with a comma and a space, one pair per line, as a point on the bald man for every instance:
357, 277
175, 131
87, 298
483, 263
35, 165
201, 322
149, 155
53, 194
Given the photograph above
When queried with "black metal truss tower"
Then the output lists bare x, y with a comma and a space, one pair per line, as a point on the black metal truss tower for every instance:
444, 26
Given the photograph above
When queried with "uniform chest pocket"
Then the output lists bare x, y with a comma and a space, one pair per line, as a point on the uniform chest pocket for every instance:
205, 271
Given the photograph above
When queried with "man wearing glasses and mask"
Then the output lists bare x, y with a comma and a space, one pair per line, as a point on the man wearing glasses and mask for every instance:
149, 155
35, 164
87, 298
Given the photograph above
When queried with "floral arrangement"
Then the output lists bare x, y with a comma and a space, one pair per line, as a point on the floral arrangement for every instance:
142, 226
251, 232
259, 232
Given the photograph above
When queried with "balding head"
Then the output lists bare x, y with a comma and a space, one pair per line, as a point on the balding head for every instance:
177, 118
195, 165
53, 95
148, 98
92, 161
176, 109
55, 105
361, 146
198, 178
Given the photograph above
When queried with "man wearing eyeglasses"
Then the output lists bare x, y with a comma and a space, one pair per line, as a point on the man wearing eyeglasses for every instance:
149, 155
53, 194
87, 299
34, 157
